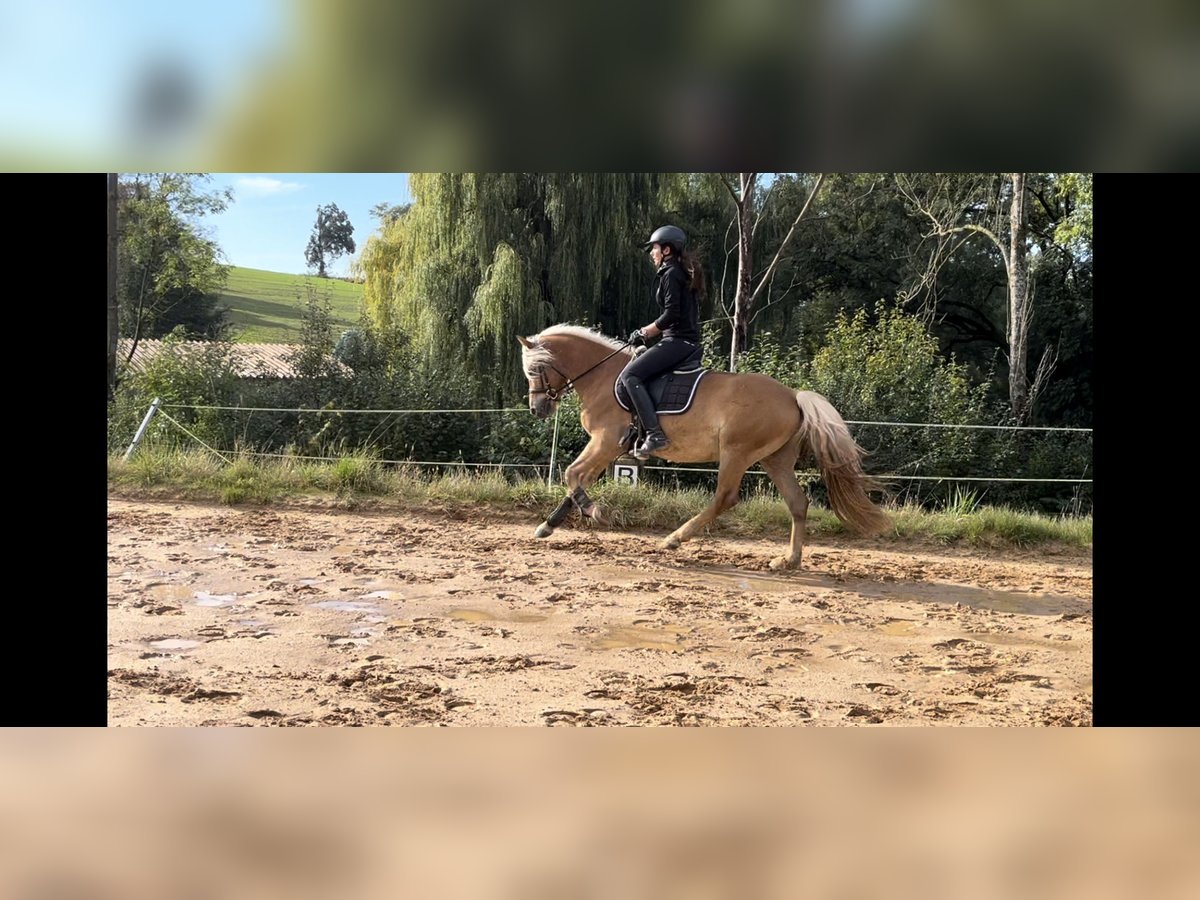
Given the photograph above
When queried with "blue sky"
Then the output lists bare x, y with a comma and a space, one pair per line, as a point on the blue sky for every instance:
272, 215
72, 72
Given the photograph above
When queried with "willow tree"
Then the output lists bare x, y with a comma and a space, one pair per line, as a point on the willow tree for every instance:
480, 258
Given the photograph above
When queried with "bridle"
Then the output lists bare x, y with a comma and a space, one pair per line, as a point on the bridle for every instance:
556, 394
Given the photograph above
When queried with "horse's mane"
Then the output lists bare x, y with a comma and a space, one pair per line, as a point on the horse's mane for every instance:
541, 354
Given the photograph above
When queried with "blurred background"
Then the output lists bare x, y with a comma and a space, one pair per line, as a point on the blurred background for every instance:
510, 813
290, 85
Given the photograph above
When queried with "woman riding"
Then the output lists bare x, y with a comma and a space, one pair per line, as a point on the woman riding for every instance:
677, 286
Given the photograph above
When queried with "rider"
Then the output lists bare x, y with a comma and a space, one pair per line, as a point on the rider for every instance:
677, 284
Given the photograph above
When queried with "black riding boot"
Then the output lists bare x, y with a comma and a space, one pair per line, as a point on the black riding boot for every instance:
655, 439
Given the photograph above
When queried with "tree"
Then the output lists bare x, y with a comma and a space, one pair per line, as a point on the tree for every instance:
480, 258
1020, 308
961, 206
747, 293
169, 269
331, 237
114, 322
387, 213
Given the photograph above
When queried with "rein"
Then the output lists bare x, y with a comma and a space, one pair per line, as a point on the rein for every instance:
557, 394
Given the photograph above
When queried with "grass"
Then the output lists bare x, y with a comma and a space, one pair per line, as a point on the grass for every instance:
267, 307
352, 481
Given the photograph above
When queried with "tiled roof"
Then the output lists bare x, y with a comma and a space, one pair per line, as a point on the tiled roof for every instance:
249, 360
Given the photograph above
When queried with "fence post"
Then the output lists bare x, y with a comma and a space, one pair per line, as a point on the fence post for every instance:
553, 449
142, 428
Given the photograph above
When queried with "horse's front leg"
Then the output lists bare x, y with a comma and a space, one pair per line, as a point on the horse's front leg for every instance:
600, 450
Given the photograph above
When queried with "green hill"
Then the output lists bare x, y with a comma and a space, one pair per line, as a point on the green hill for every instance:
267, 307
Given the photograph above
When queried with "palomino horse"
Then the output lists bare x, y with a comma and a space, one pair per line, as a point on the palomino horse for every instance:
736, 419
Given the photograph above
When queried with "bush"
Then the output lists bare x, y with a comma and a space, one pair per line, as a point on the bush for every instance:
182, 376
889, 371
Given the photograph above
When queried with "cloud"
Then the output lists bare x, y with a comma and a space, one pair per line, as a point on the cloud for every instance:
267, 186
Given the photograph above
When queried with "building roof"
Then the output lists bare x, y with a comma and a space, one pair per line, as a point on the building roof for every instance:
249, 360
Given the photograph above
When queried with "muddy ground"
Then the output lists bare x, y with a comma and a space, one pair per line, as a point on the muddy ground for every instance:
311, 616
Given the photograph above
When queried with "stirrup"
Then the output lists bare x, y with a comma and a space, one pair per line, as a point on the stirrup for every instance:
630, 439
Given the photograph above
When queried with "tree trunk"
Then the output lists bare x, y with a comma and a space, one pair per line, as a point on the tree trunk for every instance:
746, 294
743, 294
945, 206
1018, 304
113, 321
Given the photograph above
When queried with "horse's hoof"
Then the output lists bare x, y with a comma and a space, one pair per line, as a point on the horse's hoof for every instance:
543, 531
593, 513
783, 562
671, 543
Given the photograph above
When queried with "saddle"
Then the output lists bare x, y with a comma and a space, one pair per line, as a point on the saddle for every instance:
671, 393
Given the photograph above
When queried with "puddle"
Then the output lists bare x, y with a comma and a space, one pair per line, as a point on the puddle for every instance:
1019, 639
479, 615
175, 644
472, 615
997, 601
899, 627
526, 617
1027, 604
728, 576
894, 627
746, 582
167, 592
618, 638
615, 575
204, 598
348, 606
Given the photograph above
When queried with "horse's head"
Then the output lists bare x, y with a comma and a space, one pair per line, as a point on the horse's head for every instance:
547, 385
556, 359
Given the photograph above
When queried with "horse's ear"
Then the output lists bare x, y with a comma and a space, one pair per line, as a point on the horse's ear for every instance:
525, 342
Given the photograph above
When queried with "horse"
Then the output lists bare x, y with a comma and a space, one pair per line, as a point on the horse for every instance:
736, 419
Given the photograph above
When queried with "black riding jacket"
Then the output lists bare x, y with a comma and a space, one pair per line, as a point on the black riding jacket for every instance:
680, 317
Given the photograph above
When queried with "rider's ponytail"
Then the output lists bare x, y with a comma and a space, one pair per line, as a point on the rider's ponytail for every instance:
695, 272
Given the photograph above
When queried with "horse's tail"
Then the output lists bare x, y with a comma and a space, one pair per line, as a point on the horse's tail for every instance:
840, 460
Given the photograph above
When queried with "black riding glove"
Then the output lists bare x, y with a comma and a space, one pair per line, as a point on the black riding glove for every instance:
637, 339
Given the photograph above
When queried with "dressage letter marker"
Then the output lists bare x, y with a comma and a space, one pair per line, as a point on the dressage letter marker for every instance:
625, 473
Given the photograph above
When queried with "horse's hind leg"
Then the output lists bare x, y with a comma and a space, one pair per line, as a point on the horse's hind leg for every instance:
781, 466
729, 480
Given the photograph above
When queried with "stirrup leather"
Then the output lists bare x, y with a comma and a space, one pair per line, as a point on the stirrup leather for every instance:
630, 438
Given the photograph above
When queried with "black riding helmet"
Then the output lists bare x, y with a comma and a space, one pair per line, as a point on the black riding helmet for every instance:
668, 234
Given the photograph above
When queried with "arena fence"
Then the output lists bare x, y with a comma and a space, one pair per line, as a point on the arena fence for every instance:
553, 468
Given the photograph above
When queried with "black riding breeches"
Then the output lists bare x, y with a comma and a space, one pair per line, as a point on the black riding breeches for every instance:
660, 358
